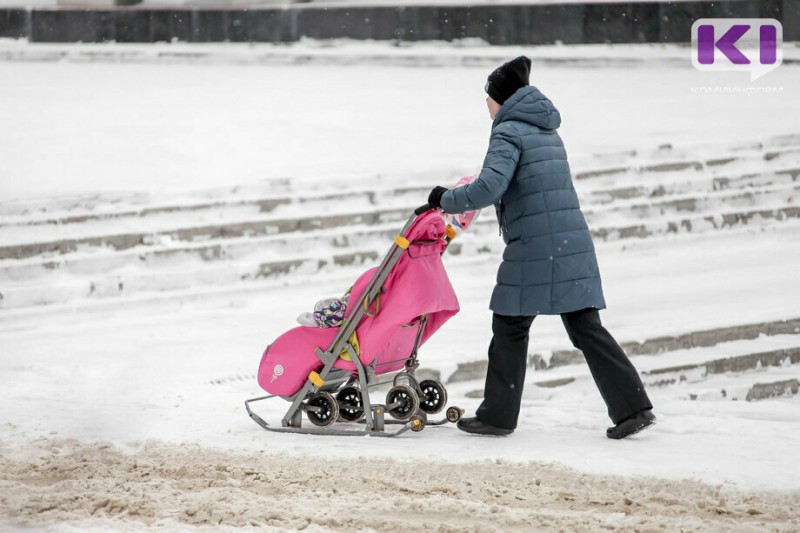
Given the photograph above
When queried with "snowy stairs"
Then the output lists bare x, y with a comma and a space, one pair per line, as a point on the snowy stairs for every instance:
747, 362
66, 249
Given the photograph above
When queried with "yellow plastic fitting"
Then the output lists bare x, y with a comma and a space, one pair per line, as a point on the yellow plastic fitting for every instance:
316, 379
401, 241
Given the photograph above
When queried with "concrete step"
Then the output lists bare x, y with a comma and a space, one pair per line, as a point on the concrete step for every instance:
777, 195
200, 209
252, 236
253, 228
777, 389
409, 195
745, 375
695, 202
186, 274
731, 391
698, 371
697, 339
64, 289
120, 224
754, 384
660, 345
700, 223
268, 195
353, 228
69, 215
654, 191
278, 255
673, 164
604, 226
164, 254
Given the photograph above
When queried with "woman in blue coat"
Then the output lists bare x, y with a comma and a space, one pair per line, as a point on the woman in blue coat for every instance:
549, 265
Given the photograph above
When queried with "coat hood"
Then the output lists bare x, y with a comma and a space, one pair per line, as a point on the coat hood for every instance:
529, 105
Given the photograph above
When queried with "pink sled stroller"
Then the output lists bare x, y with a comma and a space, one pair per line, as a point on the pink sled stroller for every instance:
394, 308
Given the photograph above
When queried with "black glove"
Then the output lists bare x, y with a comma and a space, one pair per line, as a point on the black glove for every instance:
435, 197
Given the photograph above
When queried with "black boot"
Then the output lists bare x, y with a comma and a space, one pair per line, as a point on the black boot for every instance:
473, 425
632, 425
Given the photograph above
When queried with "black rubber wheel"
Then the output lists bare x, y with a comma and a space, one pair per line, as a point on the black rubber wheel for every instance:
453, 414
406, 399
351, 405
418, 424
434, 396
327, 409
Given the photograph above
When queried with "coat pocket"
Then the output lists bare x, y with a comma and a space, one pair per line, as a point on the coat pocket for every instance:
501, 221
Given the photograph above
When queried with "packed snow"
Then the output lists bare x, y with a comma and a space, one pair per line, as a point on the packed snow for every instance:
101, 392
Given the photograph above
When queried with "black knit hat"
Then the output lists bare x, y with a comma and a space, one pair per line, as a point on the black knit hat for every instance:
507, 78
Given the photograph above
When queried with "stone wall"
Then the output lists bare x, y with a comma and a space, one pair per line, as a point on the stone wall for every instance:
623, 22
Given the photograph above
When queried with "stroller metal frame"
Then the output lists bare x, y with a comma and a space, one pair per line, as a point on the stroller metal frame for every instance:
331, 379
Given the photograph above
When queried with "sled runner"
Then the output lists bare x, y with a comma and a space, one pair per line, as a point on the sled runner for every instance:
330, 374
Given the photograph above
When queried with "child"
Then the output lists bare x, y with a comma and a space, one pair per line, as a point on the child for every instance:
328, 313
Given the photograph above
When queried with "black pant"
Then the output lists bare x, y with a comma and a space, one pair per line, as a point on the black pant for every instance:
615, 376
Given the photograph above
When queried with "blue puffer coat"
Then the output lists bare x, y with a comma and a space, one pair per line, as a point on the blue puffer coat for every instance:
549, 265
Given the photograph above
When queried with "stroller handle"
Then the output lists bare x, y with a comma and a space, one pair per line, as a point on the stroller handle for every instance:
423, 208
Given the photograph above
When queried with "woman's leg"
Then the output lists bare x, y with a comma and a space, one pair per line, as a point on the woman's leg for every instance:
508, 359
615, 376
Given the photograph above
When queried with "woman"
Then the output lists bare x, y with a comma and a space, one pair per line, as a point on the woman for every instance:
549, 265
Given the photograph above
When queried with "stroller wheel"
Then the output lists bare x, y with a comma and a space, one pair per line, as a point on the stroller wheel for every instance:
322, 409
402, 402
351, 405
418, 424
434, 396
453, 414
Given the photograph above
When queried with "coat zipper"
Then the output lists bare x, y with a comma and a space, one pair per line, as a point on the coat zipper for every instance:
503, 225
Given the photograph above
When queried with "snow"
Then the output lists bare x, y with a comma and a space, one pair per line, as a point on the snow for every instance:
260, 120
173, 360
140, 371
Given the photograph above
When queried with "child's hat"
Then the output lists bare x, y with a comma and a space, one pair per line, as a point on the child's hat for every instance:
507, 78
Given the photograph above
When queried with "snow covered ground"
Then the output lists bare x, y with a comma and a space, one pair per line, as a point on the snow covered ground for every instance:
108, 393
120, 118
